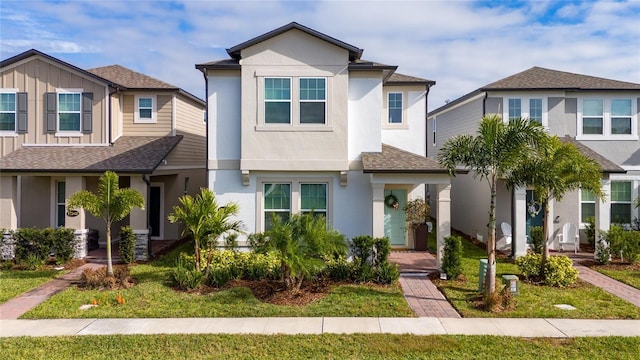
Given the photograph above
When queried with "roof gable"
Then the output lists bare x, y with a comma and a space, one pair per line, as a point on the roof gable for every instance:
354, 52
129, 78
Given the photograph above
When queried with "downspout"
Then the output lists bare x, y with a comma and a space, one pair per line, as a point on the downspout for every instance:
484, 103
426, 134
144, 178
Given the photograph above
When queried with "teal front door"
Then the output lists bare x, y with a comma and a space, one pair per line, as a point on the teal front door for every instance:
395, 226
535, 213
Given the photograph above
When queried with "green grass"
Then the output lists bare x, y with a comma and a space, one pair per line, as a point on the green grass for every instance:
16, 282
329, 346
627, 274
153, 298
534, 301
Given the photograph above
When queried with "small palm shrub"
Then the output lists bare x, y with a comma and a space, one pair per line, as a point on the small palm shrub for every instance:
387, 273
559, 271
127, 245
452, 258
185, 276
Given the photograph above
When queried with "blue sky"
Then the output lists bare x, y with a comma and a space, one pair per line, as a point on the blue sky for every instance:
462, 45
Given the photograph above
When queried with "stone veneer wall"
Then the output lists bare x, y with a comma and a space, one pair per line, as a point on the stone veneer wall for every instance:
142, 245
80, 244
8, 246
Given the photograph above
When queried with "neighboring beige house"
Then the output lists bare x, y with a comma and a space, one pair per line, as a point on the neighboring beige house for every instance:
299, 122
61, 127
600, 116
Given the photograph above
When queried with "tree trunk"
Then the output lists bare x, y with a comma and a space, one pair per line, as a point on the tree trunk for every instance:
490, 279
197, 252
109, 262
545, 231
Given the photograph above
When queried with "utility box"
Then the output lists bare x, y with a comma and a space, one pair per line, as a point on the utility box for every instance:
511, 283
482, 273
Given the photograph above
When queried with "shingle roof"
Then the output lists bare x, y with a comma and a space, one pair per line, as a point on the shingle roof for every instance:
231, 64
394, 160
607, 165
354, 52
129, 78
402, 79
129, 154
541, 78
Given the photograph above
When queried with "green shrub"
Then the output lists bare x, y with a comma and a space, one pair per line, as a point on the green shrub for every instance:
362, 249
63, 244
127, 245
603, 252
261, 266
537, 239
218, 276
340, 269
530, 266
387, 273
452, 258
624, 244
258, 242
185, 276
559, 271
382, 249
33, 245
364, 273
590, 231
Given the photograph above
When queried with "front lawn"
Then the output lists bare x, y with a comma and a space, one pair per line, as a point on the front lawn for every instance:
153, 298
16, 282
626, 273
328, 346
534, 301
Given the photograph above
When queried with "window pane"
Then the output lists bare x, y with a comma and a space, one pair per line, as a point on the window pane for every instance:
535, 109
7, 102
515, 109
592, 107
312, 112
586, 195
277, 113
621, 107
145, 102
620, 191
69, 122
621, 125
592, 125
145, 114
69, 102
620, 213
61, 192
277, 89
312, 89
268, 218
588, 210
277, 196
395, 108
8, 121
313, 196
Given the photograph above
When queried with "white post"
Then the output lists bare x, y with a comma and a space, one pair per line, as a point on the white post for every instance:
377, 204
444, 219
8, 202
603, 211
519, 228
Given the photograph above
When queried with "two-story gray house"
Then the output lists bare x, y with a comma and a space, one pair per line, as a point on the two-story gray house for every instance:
599, 115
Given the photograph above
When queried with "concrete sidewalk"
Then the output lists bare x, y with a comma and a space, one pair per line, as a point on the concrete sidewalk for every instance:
553, 328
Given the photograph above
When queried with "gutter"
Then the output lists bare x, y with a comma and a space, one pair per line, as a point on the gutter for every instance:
144, 178
206, 125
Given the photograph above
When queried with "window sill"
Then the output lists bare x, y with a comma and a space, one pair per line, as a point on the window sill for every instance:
149, 121
8, 134
395, 127
68, 134
294, 128
631, 137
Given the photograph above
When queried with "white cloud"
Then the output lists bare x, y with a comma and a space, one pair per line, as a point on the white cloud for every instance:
462, 45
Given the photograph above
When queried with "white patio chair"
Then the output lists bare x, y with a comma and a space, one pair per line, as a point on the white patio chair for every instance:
506, 232
569, 236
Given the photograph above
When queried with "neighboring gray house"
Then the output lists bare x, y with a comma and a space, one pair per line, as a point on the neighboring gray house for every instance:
599, 115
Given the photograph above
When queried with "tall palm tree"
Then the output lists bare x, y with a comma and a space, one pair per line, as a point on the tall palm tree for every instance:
111, 204
204, 219
492, 154
555, 169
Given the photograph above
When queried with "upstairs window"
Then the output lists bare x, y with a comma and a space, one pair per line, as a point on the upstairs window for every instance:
145, 109
313, 94
69, 111
535, 110
395, 108
515, 109
621, 202
7, 111
621, 116
277, 101
592, 116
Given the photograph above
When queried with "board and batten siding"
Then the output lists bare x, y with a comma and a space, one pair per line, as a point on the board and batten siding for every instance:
37, 77
191, 151
162, 126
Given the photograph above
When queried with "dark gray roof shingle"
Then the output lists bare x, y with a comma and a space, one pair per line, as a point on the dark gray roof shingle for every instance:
541, 78
129, 154
394, 160
607, 165
129, 78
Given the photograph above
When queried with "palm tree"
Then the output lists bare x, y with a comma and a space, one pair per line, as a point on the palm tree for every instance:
497, 149
111, 204
204, 219
555, 169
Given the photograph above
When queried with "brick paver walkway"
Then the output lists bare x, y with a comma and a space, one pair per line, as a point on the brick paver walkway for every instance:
422, 296
615, 287
17, 306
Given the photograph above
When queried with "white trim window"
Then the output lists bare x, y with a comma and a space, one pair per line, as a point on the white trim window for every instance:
276, 202
146, 109
7, 111
283, 198
313, 199
530, 107
277, 100
394, 105
69, 111
313, 100
587, 205
607, 118
621, 202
